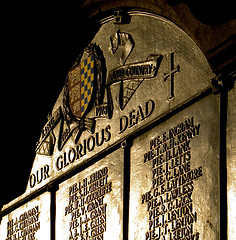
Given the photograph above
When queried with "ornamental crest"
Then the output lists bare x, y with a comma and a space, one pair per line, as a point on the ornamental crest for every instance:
84, 94
80, 86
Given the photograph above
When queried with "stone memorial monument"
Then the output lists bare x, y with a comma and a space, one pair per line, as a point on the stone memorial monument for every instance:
133, 145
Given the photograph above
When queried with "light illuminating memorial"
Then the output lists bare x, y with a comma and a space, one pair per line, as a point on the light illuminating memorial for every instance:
132, 147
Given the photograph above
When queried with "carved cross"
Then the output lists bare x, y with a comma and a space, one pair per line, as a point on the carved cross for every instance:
170, 74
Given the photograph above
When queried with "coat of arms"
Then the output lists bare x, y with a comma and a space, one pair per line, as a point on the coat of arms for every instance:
84, 90
80, 86
87, 91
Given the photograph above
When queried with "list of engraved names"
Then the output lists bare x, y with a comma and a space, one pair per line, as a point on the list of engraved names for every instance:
87, 208
169, 203
24, 226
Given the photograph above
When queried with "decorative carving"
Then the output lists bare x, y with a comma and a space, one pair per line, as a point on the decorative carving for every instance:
84, 90
170, 74
133, 74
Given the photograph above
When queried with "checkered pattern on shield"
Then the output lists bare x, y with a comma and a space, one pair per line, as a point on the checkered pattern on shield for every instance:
80, 85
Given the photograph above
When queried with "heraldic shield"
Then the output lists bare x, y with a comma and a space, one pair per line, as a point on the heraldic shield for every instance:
81, 86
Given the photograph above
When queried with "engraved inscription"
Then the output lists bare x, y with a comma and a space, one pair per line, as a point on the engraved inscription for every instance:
86, 206
169, 203
82, 148
40, 175
136, 115
24, 226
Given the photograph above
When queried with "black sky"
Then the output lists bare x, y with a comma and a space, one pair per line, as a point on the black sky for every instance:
39, 45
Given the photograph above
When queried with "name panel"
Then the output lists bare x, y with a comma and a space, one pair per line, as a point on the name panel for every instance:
28, 222
175, 177
91, 202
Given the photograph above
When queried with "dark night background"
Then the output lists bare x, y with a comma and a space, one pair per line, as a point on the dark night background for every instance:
39, 44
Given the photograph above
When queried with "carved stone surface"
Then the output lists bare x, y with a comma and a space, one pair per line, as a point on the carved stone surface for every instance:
231, 163
143, 82
129, 76
91, 202
30, 221
175, 177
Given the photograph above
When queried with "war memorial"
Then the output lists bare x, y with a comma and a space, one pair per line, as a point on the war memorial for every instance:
140, 143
